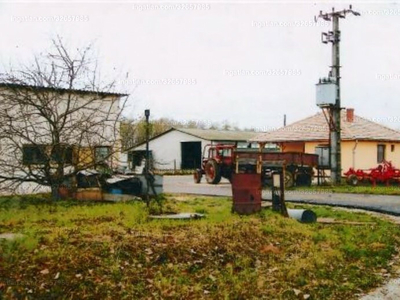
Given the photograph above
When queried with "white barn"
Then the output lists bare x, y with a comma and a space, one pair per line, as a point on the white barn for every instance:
181, 148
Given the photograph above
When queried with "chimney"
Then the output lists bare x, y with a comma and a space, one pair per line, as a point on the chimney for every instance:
350, 115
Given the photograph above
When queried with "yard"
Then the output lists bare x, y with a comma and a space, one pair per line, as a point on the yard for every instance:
114, 251
380, 189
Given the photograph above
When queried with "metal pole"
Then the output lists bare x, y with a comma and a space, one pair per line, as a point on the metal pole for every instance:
336, 168
334, 122
147, 115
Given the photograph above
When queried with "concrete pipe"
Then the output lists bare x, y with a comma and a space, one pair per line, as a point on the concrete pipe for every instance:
303, 215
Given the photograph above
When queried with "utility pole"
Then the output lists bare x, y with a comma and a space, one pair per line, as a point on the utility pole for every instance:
147, 174
333, 105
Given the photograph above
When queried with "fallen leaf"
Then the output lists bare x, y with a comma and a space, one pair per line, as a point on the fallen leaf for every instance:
306, 296
270, 249
273, 270
260, 282
296, 292
45, 271
57, 275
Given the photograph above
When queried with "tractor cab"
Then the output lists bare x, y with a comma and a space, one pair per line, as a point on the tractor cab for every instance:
221, 153
217, 163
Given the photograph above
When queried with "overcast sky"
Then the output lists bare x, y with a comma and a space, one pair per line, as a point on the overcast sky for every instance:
247, 62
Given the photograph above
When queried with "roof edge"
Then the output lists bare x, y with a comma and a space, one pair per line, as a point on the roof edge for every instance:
60, 90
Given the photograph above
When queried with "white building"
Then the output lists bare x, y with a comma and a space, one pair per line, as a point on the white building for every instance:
181, 148
44, 127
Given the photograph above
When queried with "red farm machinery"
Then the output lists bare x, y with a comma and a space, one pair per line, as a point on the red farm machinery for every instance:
219, 161
385, 173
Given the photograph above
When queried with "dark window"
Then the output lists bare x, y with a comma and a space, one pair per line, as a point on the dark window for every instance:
102, 154
40, 154
381, 153
392, 148
136, 157
34, 154
63, 155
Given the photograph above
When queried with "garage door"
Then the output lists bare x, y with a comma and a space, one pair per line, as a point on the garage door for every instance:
191, 155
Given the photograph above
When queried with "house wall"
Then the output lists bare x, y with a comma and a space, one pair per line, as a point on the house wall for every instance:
293, 147
365, 153
98, 115
166, 149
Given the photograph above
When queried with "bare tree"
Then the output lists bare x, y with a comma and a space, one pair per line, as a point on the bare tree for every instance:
57, 118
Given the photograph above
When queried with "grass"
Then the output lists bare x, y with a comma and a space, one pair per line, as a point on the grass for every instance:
360, 189
114, 251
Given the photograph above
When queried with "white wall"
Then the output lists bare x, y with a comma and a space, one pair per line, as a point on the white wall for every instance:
91, 122
167, 148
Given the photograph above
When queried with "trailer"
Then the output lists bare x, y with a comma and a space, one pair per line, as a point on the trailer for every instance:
219, 161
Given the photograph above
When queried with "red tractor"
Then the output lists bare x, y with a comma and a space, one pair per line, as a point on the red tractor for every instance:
218, 163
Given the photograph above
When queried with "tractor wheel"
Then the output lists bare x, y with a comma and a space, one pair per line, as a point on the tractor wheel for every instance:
213, 172
352, 180
303, 179
288, 179
229, 177
197, 175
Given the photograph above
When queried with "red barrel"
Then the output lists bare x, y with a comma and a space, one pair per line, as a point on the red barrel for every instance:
246, 191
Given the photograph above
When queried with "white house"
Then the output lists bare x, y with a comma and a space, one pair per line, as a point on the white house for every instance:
181, 148
41, 127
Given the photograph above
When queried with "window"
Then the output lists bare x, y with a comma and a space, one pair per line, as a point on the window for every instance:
381, 153
226, 152
323, 152
392, 148
64, 155
136, 157
34, 154
40, 154
102, 154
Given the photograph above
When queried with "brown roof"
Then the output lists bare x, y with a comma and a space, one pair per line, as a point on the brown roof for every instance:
315, 128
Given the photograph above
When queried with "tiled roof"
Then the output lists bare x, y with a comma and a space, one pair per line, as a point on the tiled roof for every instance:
315, 128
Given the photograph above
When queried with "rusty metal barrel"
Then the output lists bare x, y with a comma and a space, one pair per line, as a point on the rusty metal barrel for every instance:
246, 191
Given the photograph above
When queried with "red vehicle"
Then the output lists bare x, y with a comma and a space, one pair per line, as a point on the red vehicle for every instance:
219, 161
383, 173
217, 164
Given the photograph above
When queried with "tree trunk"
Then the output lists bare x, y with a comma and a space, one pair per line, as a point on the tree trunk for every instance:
55, 192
